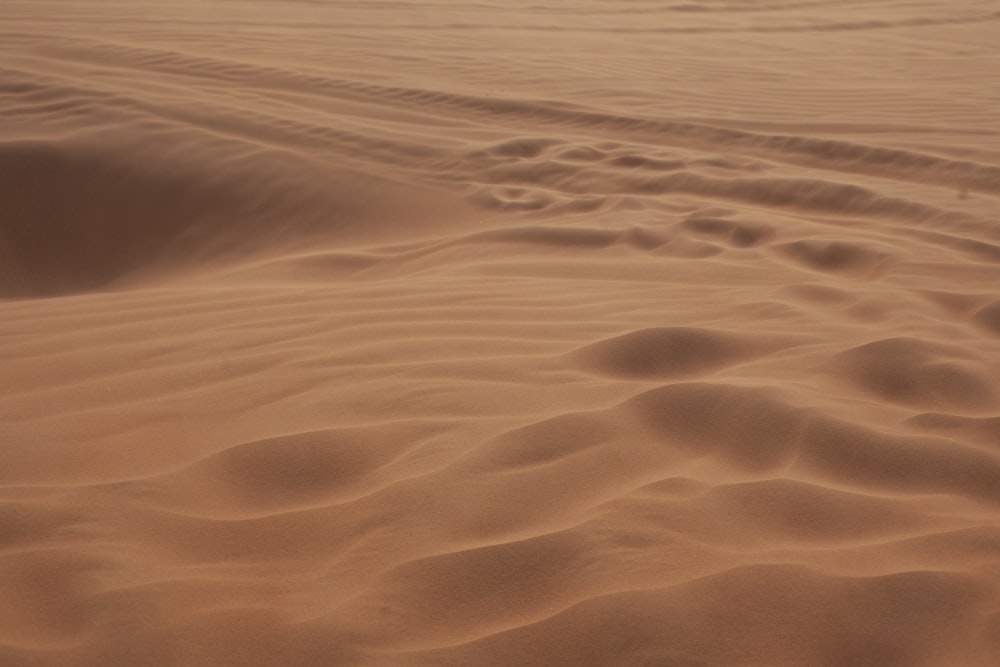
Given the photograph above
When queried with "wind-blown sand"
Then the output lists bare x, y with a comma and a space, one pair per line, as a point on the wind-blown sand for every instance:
500, 333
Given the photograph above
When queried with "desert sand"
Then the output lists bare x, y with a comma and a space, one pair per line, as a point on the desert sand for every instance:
500, 333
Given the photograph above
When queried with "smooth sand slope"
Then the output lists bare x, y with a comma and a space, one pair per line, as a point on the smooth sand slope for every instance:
500, 333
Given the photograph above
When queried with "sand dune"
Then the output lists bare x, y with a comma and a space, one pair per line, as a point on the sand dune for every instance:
600, 333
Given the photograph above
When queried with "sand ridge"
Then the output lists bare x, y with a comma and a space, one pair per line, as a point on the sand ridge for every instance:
603, 333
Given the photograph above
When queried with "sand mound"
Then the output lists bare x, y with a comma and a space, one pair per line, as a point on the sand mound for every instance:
77, 219
989, 317
82, 216
912, 371
515, 333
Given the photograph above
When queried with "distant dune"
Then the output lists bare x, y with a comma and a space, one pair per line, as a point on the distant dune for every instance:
500, 333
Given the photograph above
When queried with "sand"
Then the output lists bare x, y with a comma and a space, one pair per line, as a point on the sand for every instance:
522, 333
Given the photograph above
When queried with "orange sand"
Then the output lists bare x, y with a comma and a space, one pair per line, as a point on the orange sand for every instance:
500, 333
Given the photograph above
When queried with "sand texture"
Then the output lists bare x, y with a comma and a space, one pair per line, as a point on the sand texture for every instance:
536, 332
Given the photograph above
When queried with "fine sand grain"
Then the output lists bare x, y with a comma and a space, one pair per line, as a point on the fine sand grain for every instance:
500, 333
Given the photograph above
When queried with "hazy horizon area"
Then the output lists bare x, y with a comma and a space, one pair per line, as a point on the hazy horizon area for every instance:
599, 333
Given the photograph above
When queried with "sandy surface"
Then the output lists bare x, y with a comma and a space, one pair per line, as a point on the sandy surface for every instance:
500, 333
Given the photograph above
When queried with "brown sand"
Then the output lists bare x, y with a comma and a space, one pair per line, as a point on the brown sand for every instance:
500, 333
